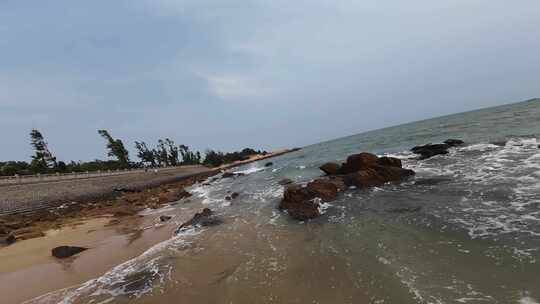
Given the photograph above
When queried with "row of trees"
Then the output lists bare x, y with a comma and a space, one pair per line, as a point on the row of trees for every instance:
165, 153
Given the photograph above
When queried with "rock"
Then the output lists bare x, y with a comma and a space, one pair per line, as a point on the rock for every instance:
227, 175
357, 162
454, 142
500, 143
430, 150
63, 252
228, 198
324, 189
203, 218
269, 164
8, 239
234, 195
330, 168
299, 203
376, 176
126, 190
164, 218
285, 181
390, 161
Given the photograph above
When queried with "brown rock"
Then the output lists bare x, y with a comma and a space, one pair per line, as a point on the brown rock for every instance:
299, 203
364, 178
390, 161
322, 188
330, 168
357, 162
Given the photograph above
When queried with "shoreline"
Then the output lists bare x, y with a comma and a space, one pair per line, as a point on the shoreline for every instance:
31, 222
116, 230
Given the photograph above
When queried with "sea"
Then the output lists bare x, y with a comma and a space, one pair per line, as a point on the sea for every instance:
464, 229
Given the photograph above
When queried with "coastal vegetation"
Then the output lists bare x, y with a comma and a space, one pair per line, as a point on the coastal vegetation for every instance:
166, 153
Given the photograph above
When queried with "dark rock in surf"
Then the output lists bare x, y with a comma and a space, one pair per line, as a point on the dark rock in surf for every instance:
330, 168
234, 195
285, 181
231, 174
227, 175
301, 202
269, 164
203, 218
63, 252
454, 142
430, 150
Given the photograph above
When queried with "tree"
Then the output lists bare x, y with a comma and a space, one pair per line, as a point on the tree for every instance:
116, 148
172, 153
161, 154
146, 155
188, 157
42, 160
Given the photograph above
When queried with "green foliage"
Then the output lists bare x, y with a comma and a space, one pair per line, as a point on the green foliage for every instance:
189, 157
146, 155
42, 160
116, 148
216, 158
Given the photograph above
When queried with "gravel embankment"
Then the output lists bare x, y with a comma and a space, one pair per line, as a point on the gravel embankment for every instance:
29, 197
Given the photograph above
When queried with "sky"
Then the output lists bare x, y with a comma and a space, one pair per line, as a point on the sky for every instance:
264, 74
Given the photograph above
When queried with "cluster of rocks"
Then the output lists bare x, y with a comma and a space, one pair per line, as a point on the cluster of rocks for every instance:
430, 150
361, 170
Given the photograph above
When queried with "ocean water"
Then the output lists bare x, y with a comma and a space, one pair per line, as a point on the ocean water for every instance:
465, 229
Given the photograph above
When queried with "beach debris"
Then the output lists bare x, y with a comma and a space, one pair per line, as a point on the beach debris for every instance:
63, 252
285, 181
430, 150
269, 164
164, 218
203, 218
360, 171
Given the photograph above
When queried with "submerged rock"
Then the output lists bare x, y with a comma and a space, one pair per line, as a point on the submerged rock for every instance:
454, 142
203, 218
430, 150
285, 181
269, 164
63, 252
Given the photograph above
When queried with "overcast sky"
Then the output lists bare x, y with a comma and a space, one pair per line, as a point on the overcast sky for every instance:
265, 74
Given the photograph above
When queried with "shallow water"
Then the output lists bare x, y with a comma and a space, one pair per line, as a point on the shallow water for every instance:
465, 229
